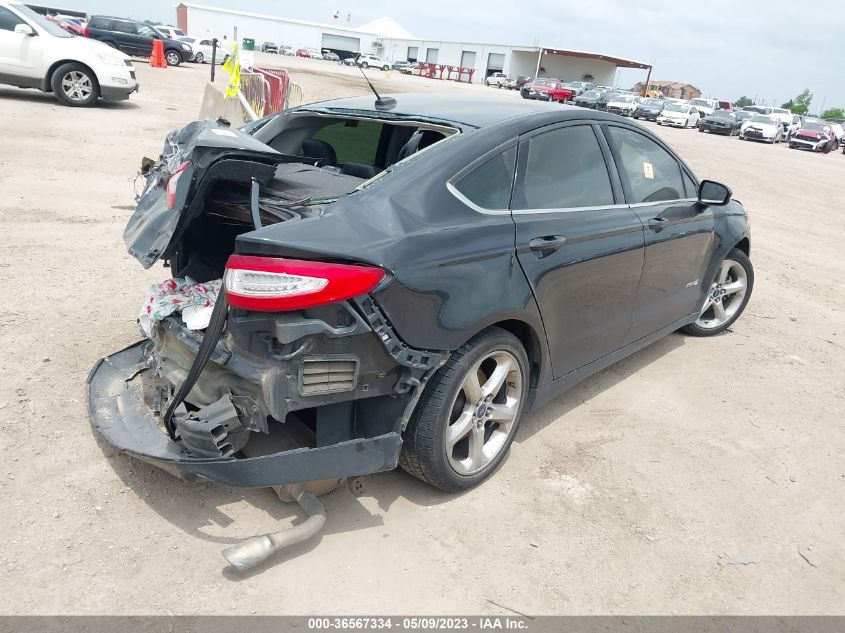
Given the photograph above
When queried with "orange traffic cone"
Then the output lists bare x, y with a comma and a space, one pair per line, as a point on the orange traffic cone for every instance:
157, 58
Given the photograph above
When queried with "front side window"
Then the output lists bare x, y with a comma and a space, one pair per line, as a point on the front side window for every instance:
652, 173
563, 169
489, 184
146, 31
8, 20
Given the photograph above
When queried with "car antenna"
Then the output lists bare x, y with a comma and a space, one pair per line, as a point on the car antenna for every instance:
381, 102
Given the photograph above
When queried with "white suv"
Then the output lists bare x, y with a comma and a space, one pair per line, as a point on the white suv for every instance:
36, 53
365, 61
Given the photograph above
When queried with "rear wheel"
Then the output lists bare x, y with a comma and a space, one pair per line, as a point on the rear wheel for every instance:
727, 297
469, 413
364, 65
75, 85
199, 58
173, 57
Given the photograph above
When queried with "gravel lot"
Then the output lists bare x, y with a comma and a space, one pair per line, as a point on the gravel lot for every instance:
697, 476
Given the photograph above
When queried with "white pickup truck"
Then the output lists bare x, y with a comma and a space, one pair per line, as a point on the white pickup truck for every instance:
497, 79
36, 53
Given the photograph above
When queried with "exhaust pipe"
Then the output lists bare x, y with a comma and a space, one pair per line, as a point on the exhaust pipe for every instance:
258, 549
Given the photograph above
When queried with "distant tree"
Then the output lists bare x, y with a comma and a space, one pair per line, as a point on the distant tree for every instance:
833, 113
742, 102
801, 103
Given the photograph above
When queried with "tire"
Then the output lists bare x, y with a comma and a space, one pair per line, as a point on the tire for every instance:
740, 274
385, 67
364, 65
199, 58
427, 453
700, 129
75, 85
173, 57
686, 125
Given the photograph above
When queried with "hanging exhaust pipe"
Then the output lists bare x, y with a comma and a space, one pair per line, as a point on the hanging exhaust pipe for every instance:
258, 549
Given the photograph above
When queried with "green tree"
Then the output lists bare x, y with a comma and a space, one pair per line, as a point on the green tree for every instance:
742, 102
801, 103
833, 113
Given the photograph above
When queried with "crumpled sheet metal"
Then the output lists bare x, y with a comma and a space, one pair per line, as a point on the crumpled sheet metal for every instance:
194, 301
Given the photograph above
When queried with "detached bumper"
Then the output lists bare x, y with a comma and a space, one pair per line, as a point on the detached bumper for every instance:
117, 411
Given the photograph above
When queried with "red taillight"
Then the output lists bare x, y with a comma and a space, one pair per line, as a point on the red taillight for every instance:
173, 181
270, 284
86, 32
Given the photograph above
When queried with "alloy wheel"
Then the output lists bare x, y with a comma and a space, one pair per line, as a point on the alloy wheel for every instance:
199, 58
77, 85
725, 296
484, 412
173, 58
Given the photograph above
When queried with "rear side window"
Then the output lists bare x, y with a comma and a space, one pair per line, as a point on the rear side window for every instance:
652, 173
125, 27
8, 20
563, 169
489, 184
353, 141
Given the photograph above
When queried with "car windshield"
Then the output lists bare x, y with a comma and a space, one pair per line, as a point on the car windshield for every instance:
656, 103
51, 27
700, 102
762, 118
722, 114
590, 93
189, 40
623, 99
815, 127
544, 83
676, 107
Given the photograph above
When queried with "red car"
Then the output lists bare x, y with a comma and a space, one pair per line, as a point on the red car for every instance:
546, 90
303, 52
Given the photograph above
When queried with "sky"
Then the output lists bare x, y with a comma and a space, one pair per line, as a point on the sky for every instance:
768, 50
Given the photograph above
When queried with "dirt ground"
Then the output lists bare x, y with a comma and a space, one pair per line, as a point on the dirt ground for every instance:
697, 476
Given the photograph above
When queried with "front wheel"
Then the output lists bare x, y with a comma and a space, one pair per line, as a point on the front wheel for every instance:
173, 58
385, 67
469, 413
75, 85
364, 65
727, 297
199, 58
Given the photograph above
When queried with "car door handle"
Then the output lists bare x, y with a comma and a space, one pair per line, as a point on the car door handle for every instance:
657, 224
547, 243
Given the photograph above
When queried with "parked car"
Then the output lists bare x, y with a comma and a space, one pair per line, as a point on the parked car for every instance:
546, 90
817, 136
170, 32
367, 61
622, 104
758, 109
331, 56
792, 126
66, 24
762, 127
786, 119
270, 47
580, 87
497, 79
678, 115
203, 50
36, 53
720, 122
648, 109
315, 53
347, 349
588, 99
705, 106
288, 50
135, 38
518, 82
404, 66
303, 52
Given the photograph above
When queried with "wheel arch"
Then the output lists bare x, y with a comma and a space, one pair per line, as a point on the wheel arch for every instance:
744, 245
47, 82
531, 342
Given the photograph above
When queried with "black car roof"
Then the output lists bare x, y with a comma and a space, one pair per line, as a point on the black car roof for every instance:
472, 110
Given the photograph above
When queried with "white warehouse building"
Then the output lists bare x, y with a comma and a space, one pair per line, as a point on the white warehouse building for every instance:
392, 42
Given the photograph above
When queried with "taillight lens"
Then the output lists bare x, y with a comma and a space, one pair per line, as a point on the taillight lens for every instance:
173, 181
86, 32
270, 284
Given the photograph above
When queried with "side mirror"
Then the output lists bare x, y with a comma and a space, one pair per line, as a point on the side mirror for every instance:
24, 29
713, 193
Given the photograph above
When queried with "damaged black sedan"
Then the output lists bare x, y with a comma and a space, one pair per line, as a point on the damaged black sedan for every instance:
356, 287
